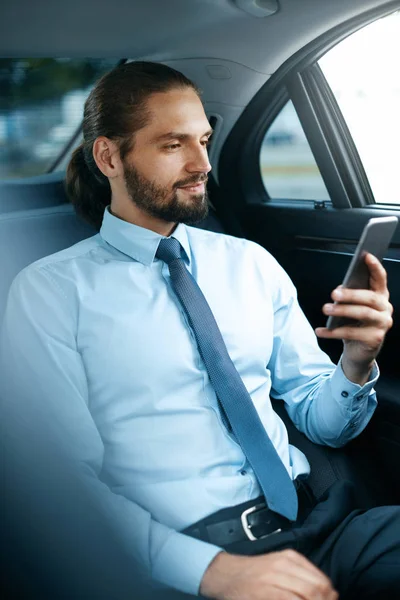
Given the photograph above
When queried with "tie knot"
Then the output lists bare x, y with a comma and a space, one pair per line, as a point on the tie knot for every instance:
169, 249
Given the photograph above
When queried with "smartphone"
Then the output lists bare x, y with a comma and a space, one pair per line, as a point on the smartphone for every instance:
374, 239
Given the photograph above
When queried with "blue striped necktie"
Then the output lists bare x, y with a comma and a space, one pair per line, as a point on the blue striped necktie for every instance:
277, 486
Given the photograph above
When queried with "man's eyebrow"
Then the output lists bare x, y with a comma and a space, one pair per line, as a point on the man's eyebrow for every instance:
175, 135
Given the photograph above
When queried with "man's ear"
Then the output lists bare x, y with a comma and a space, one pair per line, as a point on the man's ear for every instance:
107, 157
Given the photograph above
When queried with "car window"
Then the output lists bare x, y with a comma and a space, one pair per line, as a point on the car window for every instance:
288, 167
363, 73
41, 104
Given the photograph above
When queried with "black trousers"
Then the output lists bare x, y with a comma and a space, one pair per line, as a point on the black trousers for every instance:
358, 549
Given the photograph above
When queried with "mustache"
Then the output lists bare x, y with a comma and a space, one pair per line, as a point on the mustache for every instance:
191, 181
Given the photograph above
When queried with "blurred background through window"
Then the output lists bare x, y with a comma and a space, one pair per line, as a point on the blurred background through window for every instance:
363, 73
41, 107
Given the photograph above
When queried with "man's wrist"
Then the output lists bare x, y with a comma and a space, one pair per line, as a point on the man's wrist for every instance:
217, 574
357, 372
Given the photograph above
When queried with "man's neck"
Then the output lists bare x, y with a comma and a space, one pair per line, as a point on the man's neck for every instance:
146, 221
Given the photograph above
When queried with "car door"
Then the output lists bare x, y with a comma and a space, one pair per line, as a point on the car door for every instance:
311, 159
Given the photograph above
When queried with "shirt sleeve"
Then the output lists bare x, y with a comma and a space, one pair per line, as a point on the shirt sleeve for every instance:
320, 400
43, 383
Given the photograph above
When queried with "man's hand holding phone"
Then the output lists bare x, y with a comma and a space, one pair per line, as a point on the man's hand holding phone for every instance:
371, 313
361, 313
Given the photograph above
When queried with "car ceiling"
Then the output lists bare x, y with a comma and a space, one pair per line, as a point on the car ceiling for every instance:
228, 52
168, 29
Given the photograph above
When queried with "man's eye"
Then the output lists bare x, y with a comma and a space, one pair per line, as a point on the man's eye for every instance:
206, 142
172, 146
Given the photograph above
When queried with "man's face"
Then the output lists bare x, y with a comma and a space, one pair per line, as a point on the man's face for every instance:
166, 172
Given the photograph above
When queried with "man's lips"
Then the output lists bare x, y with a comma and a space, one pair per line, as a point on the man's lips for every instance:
194, 189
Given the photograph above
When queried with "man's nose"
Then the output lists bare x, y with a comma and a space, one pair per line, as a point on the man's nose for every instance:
198, 161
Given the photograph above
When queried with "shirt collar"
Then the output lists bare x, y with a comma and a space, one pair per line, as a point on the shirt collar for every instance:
137, 242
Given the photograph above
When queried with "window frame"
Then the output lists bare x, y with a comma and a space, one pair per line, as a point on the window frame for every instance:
330, 139
301, 80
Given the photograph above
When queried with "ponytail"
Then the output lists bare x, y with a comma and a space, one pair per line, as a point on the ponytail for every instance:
88, 189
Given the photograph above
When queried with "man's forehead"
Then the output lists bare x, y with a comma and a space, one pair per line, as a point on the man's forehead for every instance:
179, 111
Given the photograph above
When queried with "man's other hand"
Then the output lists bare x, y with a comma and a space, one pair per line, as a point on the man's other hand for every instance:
373, 313
285, 575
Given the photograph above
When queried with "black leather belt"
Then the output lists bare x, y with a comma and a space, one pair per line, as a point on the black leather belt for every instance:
251, 520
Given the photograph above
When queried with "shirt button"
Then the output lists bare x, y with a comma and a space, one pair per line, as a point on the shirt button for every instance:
345, 394
243, 472
360, 397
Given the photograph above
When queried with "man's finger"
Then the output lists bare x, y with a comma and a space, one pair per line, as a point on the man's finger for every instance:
377, 274
298, 588
361, 297
365, 314
278, 592
304, 562
312, 580
303, 578
371, 336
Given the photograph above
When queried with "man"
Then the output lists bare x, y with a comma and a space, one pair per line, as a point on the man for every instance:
105, 345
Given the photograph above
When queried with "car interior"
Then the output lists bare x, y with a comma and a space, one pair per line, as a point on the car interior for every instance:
250, 58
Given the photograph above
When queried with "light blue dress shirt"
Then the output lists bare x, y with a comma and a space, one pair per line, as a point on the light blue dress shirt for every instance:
96, 347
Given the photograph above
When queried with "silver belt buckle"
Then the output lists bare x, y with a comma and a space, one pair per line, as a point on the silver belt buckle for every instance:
247, 527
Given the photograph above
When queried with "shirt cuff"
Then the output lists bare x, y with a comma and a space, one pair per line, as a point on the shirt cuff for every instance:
341, 386
182, 562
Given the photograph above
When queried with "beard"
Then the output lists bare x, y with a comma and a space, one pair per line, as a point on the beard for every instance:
163, 203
